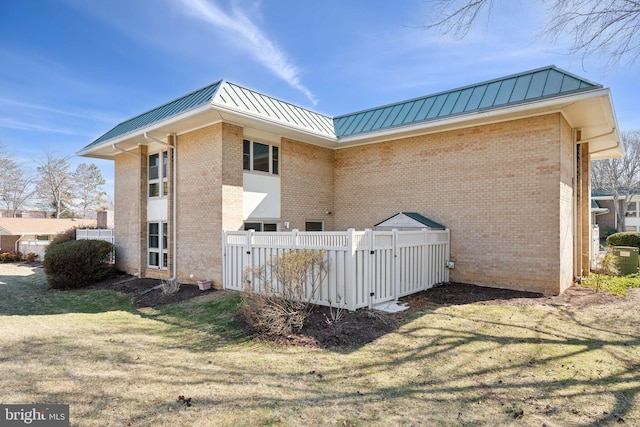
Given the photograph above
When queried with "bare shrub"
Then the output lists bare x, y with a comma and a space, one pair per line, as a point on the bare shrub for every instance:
170, 286
607, 266
279, 294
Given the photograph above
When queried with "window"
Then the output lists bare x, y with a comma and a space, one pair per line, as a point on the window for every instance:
260, 157
158, 174
261, 226
158, 244
42, 237
313, 226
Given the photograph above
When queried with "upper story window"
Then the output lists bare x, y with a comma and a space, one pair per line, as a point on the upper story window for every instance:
158, 174
257, 156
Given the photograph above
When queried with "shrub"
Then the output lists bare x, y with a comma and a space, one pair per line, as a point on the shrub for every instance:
627, 238
10, 256
30, 257
279, 293
170, 286
77, 263
65, 236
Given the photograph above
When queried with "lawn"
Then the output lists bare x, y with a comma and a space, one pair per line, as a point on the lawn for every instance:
524, 365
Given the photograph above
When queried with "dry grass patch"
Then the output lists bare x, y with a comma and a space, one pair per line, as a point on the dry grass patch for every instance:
460, 365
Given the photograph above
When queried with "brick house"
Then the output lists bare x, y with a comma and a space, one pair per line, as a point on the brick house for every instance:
34, 234
504, 164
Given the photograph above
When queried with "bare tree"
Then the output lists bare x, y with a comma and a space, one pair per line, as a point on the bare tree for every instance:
620, 177
608, 28
54, 183
15, 187
87, 189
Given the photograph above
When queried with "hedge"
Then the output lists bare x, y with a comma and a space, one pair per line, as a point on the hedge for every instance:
627, 238
77, 263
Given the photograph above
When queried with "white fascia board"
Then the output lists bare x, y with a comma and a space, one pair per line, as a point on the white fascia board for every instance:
141, 131
548, 106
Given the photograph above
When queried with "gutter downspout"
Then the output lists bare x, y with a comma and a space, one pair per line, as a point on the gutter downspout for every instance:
174, 172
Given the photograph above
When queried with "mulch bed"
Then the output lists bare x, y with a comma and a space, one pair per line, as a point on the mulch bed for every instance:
145, 292
362, 326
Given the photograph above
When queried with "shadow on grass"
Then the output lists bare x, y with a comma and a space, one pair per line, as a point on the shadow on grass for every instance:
424, 362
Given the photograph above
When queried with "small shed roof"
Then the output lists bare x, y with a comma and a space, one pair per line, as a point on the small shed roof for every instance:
28, 226
410, 220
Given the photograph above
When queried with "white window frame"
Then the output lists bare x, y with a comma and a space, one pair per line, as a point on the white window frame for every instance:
162, 250
162, 181
262, 224
274, 157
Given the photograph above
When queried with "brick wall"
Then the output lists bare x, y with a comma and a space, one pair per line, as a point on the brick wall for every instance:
495, 186
209, 174
127, 223
8, 243
306, 184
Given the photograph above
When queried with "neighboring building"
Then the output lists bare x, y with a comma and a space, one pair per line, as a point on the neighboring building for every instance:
606, 217
34, 234
503, 164
24, 214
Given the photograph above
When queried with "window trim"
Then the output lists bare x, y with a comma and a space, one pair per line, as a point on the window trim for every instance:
162, 250
248, 157
162, 181
262, 225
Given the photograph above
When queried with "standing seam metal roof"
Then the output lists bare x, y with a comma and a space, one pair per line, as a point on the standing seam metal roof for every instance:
246, 100
165, 111
543, 83
529, 86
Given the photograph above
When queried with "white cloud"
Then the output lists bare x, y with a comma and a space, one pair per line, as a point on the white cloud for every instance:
8, 123
91, 115
241, 29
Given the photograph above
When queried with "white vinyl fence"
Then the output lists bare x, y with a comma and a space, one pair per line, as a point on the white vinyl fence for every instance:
37, 247
365, 268
105, 234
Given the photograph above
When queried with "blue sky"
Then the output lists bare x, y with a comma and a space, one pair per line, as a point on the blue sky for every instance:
73, 69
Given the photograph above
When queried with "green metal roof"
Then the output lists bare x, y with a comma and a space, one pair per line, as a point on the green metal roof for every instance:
248, 101
165, 111
543, 83
529, 86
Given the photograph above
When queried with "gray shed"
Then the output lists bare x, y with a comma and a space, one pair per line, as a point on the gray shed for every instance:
408, 221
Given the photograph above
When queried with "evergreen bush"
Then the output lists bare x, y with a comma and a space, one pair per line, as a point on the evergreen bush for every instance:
78, 263
627, 238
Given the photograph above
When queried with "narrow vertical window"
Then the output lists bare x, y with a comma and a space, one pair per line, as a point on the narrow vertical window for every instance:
165, 173
165, 245
246, 155
274, 160
154, 244
154, 175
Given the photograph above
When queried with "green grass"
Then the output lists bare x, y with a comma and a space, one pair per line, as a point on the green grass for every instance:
477, 365
615, 285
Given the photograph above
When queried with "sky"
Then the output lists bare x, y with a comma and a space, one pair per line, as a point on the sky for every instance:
70, 70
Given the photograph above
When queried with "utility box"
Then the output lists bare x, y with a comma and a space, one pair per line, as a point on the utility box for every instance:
626, 259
